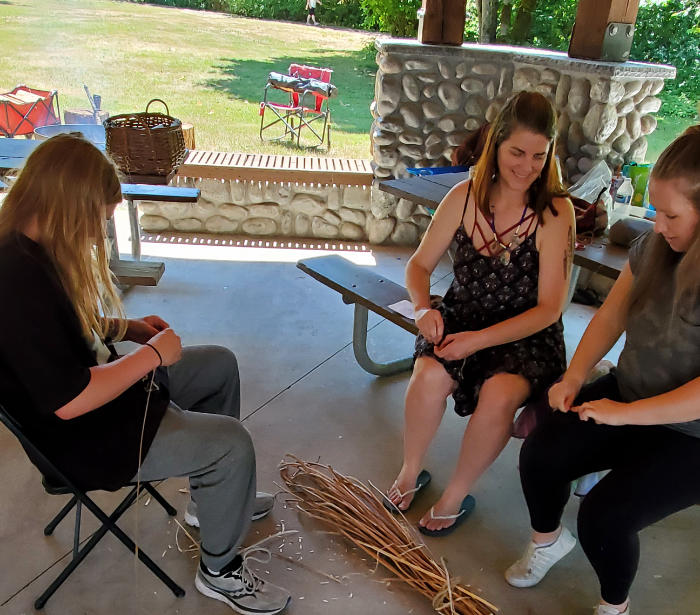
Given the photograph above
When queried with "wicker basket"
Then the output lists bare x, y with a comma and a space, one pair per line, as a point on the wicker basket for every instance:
145, 143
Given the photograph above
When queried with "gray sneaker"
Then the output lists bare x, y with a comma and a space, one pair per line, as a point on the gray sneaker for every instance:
264, 503
242, 589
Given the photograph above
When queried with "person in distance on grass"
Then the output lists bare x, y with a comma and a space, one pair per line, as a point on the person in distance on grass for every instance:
107, 420
497, 337
643, 421
311, 11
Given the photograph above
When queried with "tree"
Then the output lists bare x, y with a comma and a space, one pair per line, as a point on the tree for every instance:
487, 20
506, 12
523, 19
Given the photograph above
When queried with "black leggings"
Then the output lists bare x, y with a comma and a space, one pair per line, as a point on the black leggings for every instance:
654, 472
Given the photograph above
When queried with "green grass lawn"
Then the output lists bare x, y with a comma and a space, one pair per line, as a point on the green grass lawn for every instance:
666, 131
210, 68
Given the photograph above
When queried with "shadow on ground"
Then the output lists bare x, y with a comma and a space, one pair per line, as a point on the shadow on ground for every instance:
353, 75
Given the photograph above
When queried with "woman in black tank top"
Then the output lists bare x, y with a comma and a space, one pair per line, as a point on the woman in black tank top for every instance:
496, 339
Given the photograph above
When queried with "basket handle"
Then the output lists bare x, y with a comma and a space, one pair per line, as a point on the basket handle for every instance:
167, 111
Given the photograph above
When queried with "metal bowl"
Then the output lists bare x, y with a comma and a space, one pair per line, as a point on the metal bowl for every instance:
94, 133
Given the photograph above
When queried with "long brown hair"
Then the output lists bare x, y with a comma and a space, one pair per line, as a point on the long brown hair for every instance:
65, 186
532, 111
679, 161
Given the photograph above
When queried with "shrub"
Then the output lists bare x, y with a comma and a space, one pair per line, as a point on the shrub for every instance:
346, 13
398, 17
669, 33
666, 32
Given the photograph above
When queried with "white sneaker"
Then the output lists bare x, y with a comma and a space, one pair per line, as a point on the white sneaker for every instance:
264, 503
606, 609
530, 569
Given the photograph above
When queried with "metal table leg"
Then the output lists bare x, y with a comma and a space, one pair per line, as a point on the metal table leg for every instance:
359, 346
112, 236
135, 229
575, 272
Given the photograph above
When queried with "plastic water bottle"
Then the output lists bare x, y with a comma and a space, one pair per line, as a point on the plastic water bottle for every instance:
624, 193
615, 184
621, 204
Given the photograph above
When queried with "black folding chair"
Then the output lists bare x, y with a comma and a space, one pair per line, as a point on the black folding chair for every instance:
60, 484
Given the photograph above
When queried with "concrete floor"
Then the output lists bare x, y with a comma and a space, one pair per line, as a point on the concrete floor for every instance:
303, 393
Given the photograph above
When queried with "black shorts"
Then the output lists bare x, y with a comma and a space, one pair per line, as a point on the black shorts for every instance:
312, 11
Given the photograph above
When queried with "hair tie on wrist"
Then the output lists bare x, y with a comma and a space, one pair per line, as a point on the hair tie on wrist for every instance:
160, 358
418, 314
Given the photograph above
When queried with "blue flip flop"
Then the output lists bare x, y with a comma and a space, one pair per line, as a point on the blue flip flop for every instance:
465, 510
421, 481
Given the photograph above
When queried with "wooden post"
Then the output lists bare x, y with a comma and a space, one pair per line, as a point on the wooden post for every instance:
592, 19
188, 134
453, 17
430, 24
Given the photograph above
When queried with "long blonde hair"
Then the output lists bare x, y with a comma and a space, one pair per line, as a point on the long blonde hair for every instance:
532, 111
65, 187
680, 160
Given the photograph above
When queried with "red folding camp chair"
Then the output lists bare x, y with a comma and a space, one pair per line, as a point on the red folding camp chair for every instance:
307, 106
24, 109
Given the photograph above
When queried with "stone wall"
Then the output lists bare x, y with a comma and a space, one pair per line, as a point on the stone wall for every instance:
428, 97
282, 209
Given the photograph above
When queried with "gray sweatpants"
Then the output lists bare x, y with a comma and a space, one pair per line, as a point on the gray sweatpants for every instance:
200, 437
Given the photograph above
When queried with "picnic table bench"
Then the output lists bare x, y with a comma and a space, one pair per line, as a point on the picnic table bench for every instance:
138, 272
13, 153
280, 169
367, 291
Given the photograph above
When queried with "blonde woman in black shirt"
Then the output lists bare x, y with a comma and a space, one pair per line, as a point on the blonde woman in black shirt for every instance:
89, 409
642, 422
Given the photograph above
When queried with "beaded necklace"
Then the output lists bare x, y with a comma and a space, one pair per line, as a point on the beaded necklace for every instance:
506, 250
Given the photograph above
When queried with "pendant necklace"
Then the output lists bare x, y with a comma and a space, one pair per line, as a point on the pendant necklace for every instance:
506, 249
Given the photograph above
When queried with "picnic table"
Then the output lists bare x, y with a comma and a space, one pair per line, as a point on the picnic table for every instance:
13, 153
428, 190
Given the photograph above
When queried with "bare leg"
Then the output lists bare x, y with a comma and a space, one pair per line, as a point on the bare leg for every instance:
486, 435
545, 538
425, 404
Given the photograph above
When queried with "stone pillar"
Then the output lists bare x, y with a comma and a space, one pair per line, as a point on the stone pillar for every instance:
427, 97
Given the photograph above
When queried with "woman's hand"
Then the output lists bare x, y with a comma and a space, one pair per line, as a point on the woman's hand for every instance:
141, 330
459, 345
431, 325
603, 411
563, 393
168, 344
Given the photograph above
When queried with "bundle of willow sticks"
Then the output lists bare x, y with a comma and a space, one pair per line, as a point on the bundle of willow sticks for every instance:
356, 512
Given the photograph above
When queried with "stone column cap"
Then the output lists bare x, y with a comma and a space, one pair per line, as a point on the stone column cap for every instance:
528, 55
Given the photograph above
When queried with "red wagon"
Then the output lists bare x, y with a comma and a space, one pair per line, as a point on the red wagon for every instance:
24, 109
